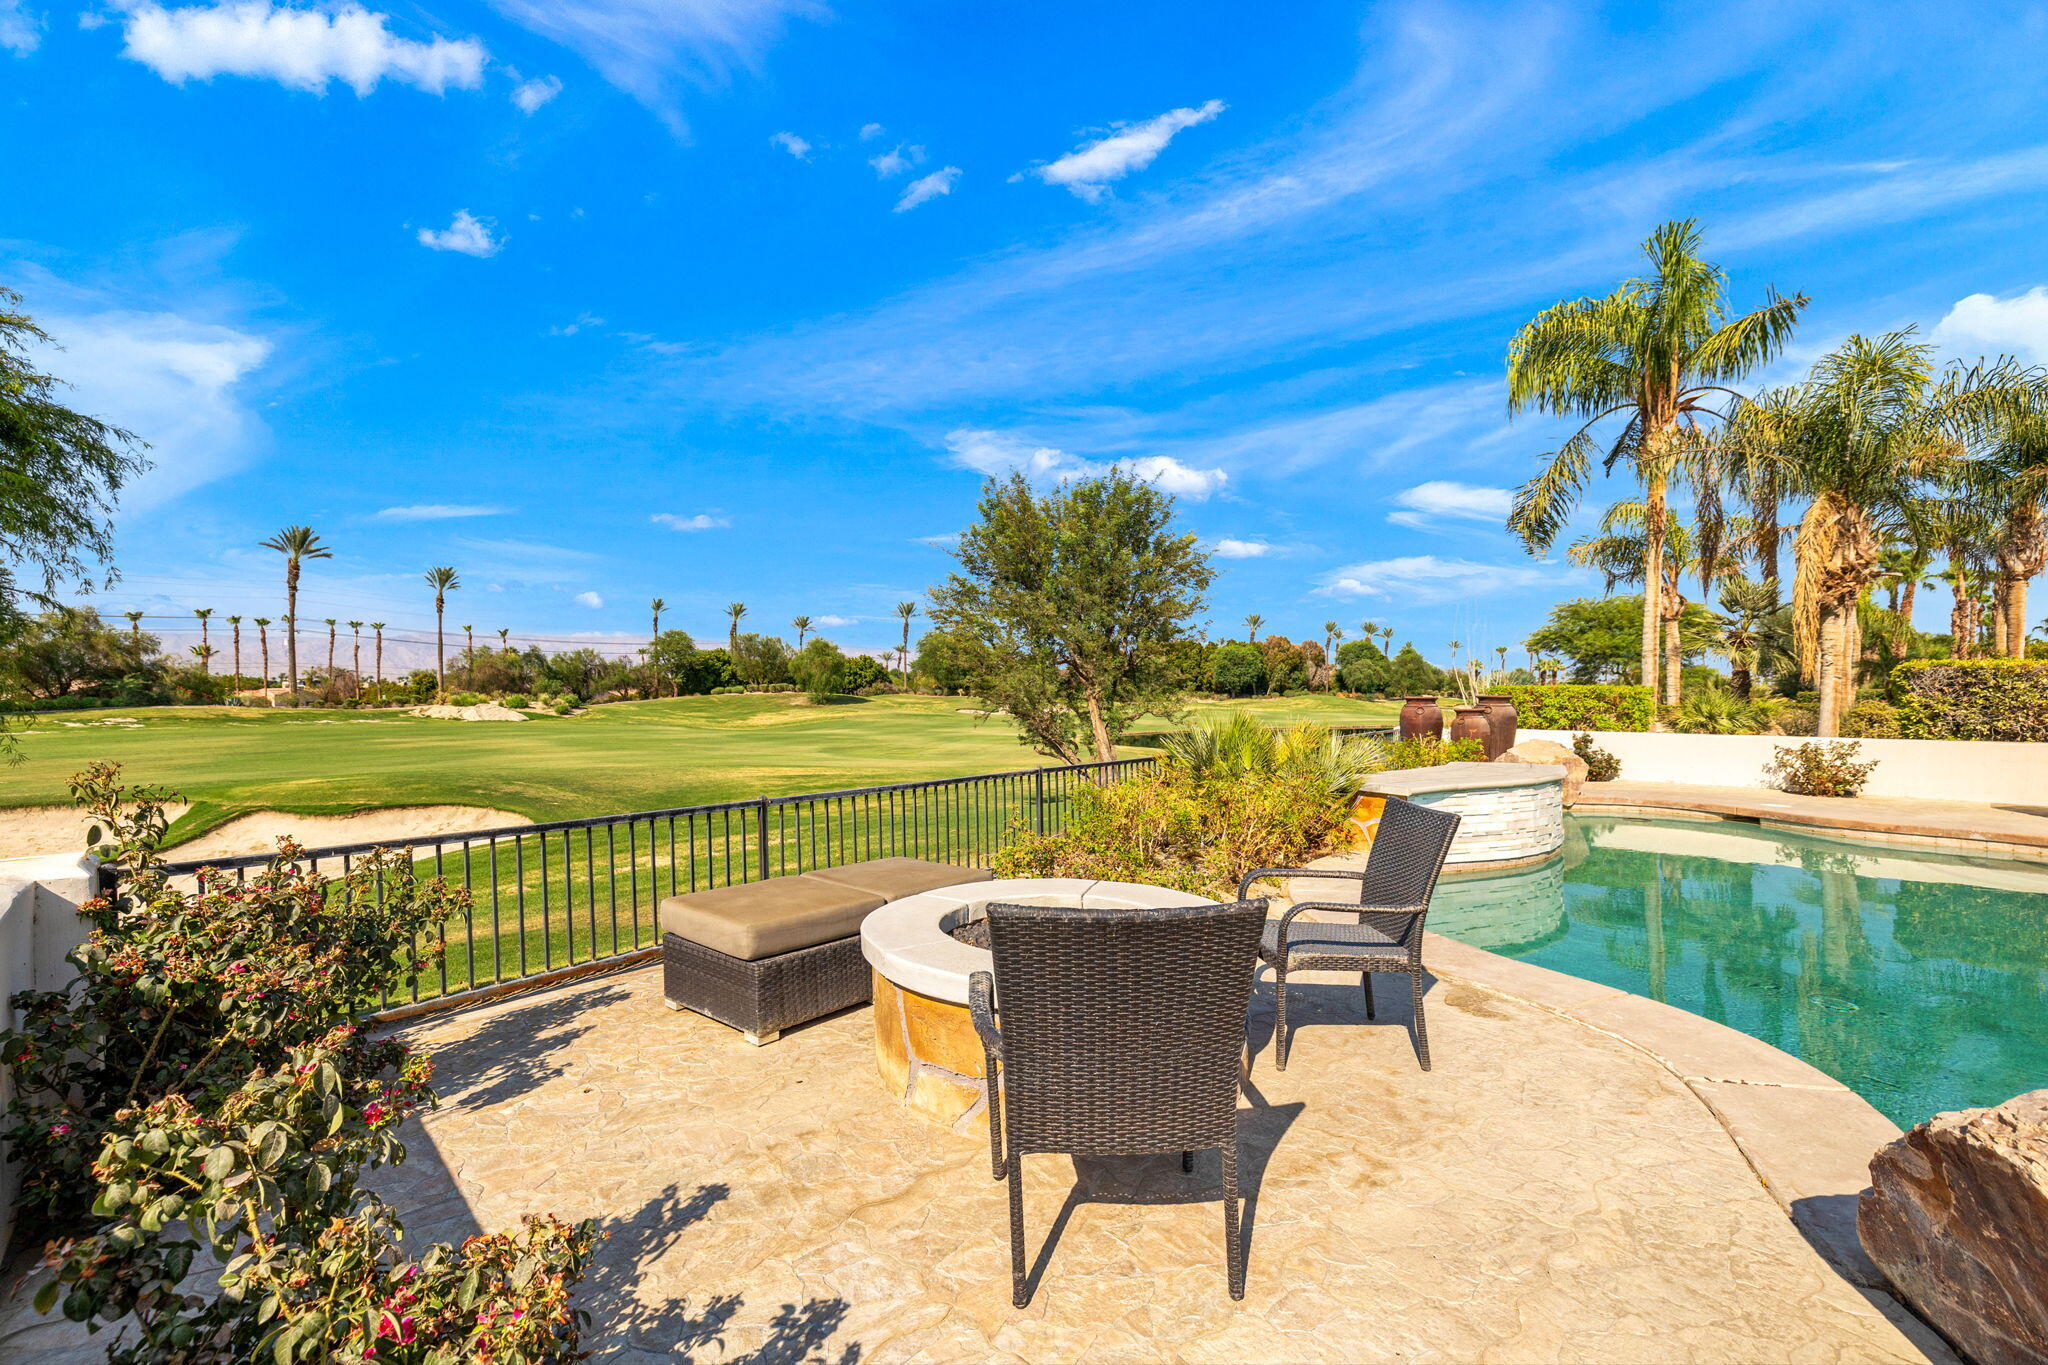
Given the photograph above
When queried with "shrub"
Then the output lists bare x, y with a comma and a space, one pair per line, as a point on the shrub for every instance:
517, 702
1238, 670
466, 699
1424, 752
1601, 766
1973, 699
1871, 720
1583, 706
821, 668
1824, 769
1795, 720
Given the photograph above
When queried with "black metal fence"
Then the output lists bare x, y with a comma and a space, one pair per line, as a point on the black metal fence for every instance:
570, 893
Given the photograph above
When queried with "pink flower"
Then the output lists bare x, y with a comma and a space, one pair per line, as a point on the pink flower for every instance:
60, 1130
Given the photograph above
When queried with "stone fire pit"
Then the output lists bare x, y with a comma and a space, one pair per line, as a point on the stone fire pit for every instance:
922, 951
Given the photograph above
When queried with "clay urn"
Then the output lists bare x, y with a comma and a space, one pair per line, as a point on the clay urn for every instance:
1502, 716
1421, 718
1471, 723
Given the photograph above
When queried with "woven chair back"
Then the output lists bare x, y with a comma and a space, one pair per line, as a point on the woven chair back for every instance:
1407, 854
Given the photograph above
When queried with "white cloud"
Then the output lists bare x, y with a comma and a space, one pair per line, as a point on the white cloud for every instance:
791, 143
654, 49
926, 187
870, 131
702, 521
531, 95
589, 599
1088, 171
20, 27
1228, 548
941, 542
1985, 324
997, 453
306, 49
1421, 579
897, 160
467, 234
1428, 503
174, 382
439, 511
834, 622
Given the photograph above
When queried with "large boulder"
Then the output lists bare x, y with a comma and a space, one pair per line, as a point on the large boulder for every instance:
1957, 1219
1550, 751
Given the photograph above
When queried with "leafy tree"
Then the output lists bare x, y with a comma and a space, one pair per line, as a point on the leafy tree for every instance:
1411, 675
1286, 665
863, 671
819, 668
1076, 602
1657, 354
70, 649
945, 660
1362, 668
761, 659
1238, 670
672, 654
297, 544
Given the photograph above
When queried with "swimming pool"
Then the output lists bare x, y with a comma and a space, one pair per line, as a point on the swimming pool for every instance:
1918, 980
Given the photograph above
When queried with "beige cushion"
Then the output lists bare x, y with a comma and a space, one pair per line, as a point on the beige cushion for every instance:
761, 919
895, 878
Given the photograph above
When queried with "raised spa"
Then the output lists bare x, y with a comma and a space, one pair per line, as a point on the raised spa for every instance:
926, 1049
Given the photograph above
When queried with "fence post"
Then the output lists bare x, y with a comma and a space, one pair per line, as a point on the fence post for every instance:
761, 832
1038, 800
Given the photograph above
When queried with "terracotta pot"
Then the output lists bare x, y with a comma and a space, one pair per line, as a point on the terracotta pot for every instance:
1471, 723
1502, 716
1421, 718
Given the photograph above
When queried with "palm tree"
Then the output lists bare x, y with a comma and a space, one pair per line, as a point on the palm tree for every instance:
802, 624
330, 649
204, 653
904, 611
202, 613
736, 611
1251, 628
1332, 633
1747, 638
1904, 569
135, 632
1621, 550
297, 544
378, 627
441, 581
1657, 353
504, 640
236, 622
654, 678
468, 649
2014, 486
263, 634
355, 658
1502, 650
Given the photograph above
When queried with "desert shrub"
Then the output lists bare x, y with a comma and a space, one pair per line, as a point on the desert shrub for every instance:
466, 699
1718, 711
1871, 720
1583, 706
1973, 699
517, 702
1823, 769
1425, 752
1795, 720
1601, 766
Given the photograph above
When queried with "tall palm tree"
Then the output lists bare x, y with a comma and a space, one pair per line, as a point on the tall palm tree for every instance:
378, 627
330, 648
204, 653
297, 544
2014, 487
802, 625
504, 639
1332, 633
263, 634
1620, 551
1251, 628
202, 613
135, 632
1658, 354
355, 657
1502, 650
654, 677
442, 581
236, 622
468, 647
735, 611
904, 611
1904, 567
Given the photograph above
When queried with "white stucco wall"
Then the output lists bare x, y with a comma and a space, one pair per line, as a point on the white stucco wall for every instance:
1945, 770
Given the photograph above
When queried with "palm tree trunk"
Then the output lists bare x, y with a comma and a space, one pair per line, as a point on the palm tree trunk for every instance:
1672, 659
291, 627
2016, 618
380, 658
1827, 671
1903, 640
440, 654
1961, 637
1653, 580
1851, 654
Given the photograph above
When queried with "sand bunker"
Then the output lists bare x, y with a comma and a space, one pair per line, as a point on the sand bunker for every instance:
489, 710
36, 830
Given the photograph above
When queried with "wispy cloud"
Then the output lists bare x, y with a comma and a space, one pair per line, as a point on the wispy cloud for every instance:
1090, 170
701, 521
791, 143
21, 29
467, 234
1427, 504
531, 95
897, 160
870, 131
927, 187
1230, 548
1428, 579
440, 511
307, 49
835, 622
997, 453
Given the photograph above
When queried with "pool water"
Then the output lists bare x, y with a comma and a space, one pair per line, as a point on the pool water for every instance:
1920, 981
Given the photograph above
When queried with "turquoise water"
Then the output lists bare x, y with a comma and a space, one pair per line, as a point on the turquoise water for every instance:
1919, 981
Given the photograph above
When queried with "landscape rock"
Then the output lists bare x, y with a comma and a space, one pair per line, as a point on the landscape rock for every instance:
1957, 1219
1550, 751
489, 710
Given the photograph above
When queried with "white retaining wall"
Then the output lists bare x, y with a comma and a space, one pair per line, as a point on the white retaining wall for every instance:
1934, 769
39, 924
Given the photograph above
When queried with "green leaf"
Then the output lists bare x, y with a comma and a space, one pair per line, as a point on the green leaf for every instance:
46, 1297
219, 1163
272, 1145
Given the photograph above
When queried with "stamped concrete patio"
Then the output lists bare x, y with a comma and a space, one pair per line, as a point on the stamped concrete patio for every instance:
1549, 1192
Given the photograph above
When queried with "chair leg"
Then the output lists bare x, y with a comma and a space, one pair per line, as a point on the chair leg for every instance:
1187, 1162
1366, 977
1233, 1234
1421, 1028
1020, 1293
1280, 1017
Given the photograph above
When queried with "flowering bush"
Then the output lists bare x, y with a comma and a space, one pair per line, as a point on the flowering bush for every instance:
1601, 766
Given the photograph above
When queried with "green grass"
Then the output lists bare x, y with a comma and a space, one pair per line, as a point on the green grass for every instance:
624, 757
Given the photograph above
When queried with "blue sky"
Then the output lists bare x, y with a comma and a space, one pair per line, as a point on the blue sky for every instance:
723, 300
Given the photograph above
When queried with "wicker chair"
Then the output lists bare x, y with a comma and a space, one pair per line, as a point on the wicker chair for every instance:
1394, 889
1122, 1034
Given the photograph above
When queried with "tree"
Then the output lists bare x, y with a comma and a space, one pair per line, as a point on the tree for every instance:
1332, 633
863, 671
1286, 666
802, 626
735, 612
1601, 637
263, 634
135, 627
468, 647
904, 611
505, 640
1657, 353
297, 544
355, 656
378, 628
1411, 675
63, 650
442, 580
1238, 670
330, 647
761, 659
236, 622
63, 469
654, 670
1619, 551
1751, 635
2013, 483
672, 654
819, 669
945, 660
1251, 628
1076, 602
202, 613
